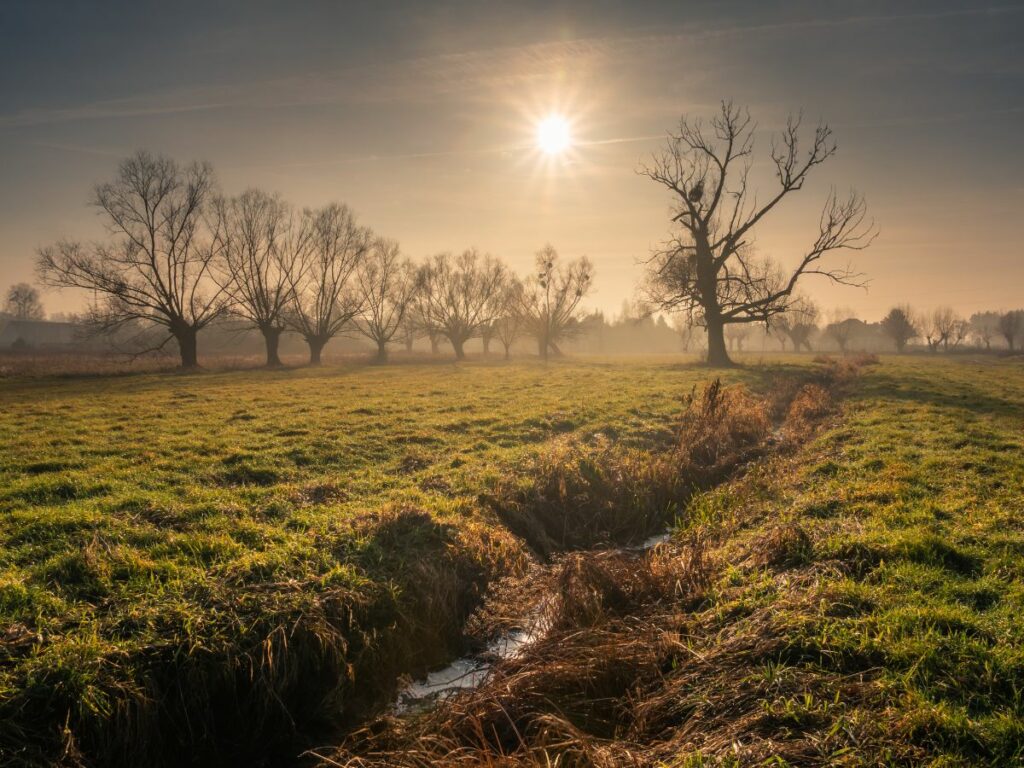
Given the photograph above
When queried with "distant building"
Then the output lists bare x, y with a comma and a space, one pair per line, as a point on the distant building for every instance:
35, 334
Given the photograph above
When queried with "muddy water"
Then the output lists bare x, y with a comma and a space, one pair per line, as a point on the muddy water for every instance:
468, 672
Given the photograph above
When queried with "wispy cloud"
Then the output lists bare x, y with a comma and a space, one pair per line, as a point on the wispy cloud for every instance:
475, 71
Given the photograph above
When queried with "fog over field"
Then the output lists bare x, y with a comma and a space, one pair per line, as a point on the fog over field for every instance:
525, 384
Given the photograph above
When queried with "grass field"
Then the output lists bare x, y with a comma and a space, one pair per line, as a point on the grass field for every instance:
227, 559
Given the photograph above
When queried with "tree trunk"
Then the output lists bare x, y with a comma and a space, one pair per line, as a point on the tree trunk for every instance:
188, 346
487, 345
382, 352
408, 343
316, 348
272, 338
542, 347
718, 356
506, 350
457, 345
435, 345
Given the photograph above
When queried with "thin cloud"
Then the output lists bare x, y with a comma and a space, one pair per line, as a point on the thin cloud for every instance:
425, 78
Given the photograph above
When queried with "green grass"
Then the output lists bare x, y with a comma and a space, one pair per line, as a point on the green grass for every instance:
897, 638
159, 527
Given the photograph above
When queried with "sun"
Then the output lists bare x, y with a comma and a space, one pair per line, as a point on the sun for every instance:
553, 135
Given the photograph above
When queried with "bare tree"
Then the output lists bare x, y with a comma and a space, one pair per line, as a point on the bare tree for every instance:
1011, 326
551, 298
735, 335
961, 330
899, 327
985, 326
156, 269
940, 327
324, 299
22, 302
797, 323
262, 252
387, 283
945, 321
842, 324
708, 267
459, 296
508, 326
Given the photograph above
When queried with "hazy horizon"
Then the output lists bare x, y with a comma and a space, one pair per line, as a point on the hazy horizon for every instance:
423, 121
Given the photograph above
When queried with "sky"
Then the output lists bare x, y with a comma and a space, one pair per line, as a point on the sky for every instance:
422, 117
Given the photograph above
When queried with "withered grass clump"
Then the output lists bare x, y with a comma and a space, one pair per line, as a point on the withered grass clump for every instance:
719, 426
576, 495
811, 403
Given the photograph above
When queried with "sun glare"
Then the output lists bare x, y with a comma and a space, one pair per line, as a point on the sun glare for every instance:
553, 136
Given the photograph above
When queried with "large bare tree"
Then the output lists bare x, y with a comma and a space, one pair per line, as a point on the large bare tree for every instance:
459, 295
551, 298
387, 283
22, 302
323, 290
156, 267
708, 268
261, 247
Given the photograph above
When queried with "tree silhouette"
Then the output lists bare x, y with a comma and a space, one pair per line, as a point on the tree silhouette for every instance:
156, 268
324, 300
387, 282
551, 297
22, 302
459, 295
262, 250
899, 327
709, 268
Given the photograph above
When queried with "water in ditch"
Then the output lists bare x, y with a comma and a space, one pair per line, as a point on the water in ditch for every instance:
468, 672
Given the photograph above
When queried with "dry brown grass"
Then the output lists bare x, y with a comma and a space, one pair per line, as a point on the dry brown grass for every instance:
580, 494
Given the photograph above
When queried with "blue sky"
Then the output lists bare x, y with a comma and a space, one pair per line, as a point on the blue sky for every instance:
420, 116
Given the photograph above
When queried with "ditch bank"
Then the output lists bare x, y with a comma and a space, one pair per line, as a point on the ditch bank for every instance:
574, 633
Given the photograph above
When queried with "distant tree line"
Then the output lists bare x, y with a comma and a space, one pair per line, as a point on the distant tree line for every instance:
182, 256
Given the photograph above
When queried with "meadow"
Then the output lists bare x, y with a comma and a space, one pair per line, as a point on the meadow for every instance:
240, 563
